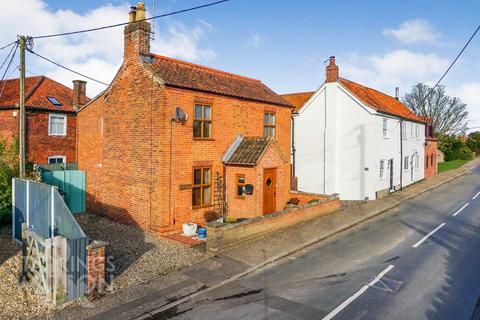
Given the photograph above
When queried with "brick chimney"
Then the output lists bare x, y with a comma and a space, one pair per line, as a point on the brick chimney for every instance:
79, 94
332, 71
137, 33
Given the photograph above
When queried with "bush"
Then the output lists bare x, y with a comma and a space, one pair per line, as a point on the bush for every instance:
464, 154
294, 201
211, 216
8, 171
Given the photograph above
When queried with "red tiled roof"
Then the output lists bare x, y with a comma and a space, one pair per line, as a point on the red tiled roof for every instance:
36, 91
297, 100
379, 101
181, 74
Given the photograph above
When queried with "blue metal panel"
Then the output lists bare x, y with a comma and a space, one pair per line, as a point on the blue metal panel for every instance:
77, 268
72, 184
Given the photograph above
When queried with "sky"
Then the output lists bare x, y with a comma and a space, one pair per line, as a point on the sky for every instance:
382, 44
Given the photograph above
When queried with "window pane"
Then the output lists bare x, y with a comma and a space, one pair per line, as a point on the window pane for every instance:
206, 195
197, 197
272, 132
207, 112
241, 180
272, 119
197, 129
197, 176
206, 176
207, 130
265, 131
266, 118
241, 191
198, 111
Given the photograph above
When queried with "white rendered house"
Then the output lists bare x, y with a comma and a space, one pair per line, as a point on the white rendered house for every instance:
355, 141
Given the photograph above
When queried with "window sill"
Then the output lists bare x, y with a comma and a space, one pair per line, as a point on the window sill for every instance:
203, 139
57, 135
202, 207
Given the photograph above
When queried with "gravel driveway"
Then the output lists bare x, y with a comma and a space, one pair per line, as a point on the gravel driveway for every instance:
135, 257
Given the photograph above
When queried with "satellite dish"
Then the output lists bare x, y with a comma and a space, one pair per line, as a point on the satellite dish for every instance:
181, 115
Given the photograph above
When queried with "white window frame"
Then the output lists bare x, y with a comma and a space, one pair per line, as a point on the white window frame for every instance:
411, 131
64, 158
406, 159
64, 124
386, 132
382, 170
404, 131
417, 131
417, 161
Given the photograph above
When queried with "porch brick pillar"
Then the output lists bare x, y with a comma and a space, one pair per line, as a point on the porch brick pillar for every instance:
96, 267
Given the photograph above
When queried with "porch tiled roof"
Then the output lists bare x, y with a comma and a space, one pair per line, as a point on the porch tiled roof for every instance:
249, 151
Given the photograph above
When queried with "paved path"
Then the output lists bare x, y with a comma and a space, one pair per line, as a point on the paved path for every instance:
420, 260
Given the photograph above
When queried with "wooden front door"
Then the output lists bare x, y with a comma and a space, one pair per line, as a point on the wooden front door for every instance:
269, 190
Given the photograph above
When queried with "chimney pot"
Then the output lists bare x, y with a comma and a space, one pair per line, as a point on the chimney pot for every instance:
397, 93
137, 34
332, 73
79, 94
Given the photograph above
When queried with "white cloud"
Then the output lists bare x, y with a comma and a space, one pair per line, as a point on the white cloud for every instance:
402, 68
256, 40
96, 54
414, 31
469, 93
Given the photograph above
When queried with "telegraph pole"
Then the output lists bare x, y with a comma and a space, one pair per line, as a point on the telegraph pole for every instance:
22, 106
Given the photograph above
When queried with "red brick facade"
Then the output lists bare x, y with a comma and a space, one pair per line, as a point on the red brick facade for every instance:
139, 162
39, 144
431, 155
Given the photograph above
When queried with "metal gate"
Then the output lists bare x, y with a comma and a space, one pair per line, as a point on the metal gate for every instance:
41, 215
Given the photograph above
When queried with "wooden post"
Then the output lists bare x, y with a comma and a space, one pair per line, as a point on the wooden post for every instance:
21, 40
60, 293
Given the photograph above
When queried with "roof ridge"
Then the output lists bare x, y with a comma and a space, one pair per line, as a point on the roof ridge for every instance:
204, 67
296, 93
34, 87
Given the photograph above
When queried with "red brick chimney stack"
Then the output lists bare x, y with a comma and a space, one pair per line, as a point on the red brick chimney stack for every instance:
137, 33
79, 94
332, 71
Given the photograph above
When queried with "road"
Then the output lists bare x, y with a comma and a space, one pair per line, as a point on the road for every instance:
420, 260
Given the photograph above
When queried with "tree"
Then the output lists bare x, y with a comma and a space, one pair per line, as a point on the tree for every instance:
473, 142
8, 169
448, 114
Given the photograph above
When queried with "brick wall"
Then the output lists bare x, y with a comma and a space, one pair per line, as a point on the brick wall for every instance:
9, 124
431, 157
306, 197
143, 172
39, 145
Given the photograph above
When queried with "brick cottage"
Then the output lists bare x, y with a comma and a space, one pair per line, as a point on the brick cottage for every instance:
169, 141
50, 131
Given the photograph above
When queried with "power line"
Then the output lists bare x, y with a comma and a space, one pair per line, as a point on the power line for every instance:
66, 68
6, 70
450, 67
8, 55
8, 45
125, 23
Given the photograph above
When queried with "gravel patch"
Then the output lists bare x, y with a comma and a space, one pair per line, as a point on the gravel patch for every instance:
346, 204
135, 256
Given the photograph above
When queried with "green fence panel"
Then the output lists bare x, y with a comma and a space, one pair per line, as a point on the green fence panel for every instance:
72, 184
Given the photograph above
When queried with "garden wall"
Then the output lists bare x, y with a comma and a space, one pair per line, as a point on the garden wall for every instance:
221, 236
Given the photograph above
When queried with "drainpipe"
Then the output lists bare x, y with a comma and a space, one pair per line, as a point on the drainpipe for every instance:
294, 114
401, 153
224, 209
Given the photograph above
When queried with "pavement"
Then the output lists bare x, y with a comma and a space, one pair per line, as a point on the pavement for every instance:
282, 276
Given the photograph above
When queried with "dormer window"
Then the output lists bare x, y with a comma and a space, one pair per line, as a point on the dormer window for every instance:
54, 101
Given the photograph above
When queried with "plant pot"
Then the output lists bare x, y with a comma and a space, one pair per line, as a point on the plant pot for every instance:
189, 229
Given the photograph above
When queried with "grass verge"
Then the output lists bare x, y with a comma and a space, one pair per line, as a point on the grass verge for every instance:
450, 165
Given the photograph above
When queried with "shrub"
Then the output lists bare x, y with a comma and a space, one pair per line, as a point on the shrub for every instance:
8, 171
230, 220
313, 201
211, 216
464, 153
294, 201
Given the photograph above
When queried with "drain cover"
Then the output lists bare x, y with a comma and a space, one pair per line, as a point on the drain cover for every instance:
388, 284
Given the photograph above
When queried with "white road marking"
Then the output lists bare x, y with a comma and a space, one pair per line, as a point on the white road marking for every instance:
428, 236
357, 294
461, 209
476, 196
